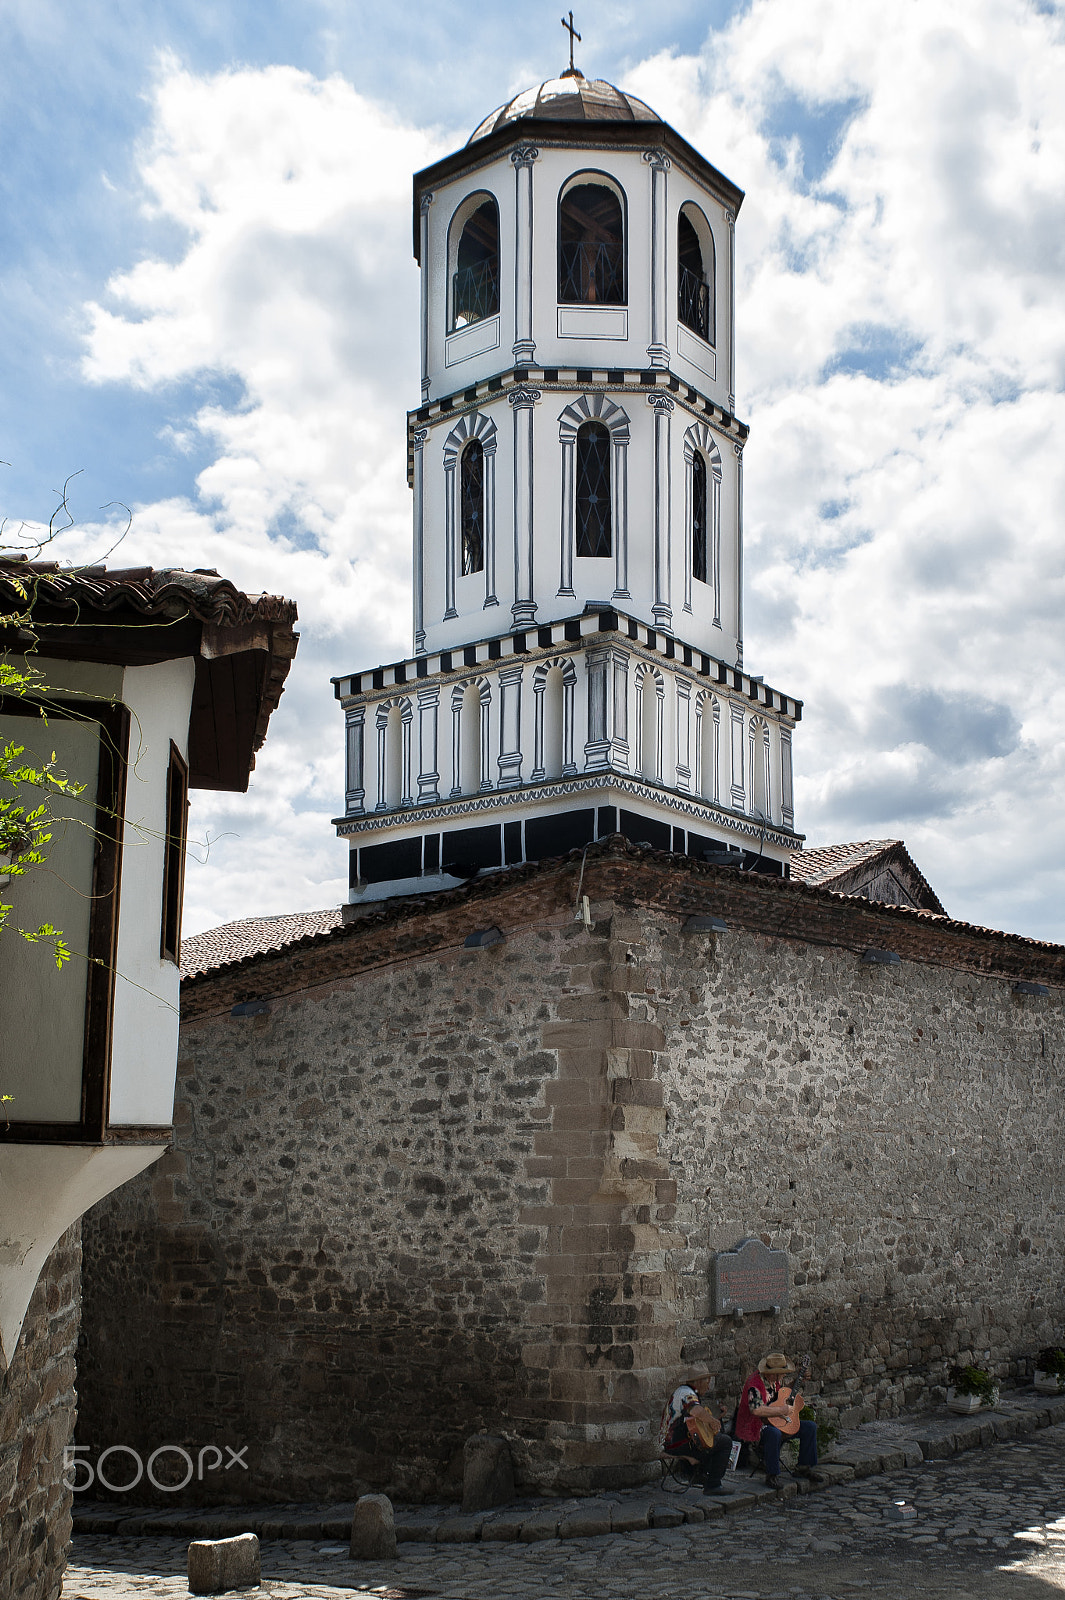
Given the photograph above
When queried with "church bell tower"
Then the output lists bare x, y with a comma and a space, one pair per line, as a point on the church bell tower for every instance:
576, 466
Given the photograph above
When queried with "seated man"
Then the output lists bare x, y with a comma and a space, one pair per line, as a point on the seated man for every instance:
689, 1429
760, 1404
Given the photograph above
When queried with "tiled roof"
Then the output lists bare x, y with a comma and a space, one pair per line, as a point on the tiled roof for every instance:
252, 936
149, 590
828, 861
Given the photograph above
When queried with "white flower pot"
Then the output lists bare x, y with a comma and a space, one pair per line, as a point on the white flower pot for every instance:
965, 1404
1047, 1383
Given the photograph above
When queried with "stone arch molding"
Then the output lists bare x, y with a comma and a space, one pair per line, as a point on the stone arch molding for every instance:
384, 709
650, 687
600, 408
463, 782
699, 439
474, 425
568, 670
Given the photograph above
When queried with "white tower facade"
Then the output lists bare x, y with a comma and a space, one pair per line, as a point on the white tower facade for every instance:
577, 473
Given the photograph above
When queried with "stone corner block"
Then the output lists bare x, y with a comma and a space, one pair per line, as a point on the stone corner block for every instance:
373, 1529
219, 1565
487, 1473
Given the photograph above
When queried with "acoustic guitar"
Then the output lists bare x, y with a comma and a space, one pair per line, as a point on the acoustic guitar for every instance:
789, 1425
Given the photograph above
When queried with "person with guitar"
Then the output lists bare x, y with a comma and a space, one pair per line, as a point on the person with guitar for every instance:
768, 1412
690, 1430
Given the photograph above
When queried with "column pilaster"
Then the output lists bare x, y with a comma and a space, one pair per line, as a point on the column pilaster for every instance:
524, 347
658, 349
522, 401
662, 406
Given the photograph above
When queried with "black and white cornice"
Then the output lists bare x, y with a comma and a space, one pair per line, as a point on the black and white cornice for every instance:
532, 380
603, 625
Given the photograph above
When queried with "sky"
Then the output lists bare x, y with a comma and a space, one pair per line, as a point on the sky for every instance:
209, 316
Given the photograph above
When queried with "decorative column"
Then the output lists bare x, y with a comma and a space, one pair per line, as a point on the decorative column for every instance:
522, 401
607, 744
428, 776
382, 770
406, 717
730, 218
427, 200
489, 448
539, 771
715, 753
486, 748
569, 685
458, 695
524, 347
355, 788
510, 727
619, 438
450, 533
787, 799
684, 733
419, 437
658, 349
738, 452
568, 438
714, 532
663, 562
738, 792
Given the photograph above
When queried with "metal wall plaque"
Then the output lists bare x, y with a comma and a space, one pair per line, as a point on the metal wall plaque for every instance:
749, 1278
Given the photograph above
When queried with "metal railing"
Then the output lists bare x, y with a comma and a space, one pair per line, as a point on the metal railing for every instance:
591, 274
475, 292
693, 303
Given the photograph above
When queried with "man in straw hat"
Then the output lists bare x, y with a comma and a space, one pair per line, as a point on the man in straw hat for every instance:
689, 1430
760, 1404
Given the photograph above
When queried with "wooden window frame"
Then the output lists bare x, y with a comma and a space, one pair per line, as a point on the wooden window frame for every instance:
102, 949
175, 840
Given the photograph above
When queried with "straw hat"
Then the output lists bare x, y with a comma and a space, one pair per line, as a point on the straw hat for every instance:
775, 1365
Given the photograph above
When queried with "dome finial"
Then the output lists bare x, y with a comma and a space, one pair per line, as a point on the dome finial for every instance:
571, 71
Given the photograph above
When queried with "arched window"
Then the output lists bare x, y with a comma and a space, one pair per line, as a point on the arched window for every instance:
695, 273
593, 490
475, 266
591, 245
699, 516
471, 498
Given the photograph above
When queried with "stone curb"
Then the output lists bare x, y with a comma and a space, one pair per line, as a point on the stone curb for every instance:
628, 1511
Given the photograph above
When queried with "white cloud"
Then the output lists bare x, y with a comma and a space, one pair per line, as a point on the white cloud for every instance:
901, 342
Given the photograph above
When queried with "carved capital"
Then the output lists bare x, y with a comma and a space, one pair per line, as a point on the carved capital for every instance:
426, 202
729, 216
660, 402
658, 160
524, 399
524, 155
737, 449
418, 437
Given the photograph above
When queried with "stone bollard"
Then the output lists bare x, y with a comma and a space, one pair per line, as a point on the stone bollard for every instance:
373, 1529
217, 1565
487, 1473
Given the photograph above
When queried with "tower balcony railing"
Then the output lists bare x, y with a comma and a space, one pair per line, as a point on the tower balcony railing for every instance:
591, 274
475, 293
693, 303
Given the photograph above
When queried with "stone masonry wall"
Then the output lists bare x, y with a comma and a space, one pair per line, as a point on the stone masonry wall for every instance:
37, 1402
437, 1189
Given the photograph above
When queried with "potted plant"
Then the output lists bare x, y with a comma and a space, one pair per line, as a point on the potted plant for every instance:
970, 1388
1049, 1375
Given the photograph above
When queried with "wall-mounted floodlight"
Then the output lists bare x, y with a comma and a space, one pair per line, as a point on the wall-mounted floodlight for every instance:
882, 958
703, 923
1022, 987
480, 938
251, 1008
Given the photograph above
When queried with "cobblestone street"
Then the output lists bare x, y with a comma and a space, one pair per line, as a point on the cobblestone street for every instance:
989, 1523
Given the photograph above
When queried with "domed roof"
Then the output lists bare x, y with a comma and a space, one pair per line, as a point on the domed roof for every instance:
570, 98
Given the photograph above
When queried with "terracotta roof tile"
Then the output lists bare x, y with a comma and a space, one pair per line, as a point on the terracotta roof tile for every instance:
253, 936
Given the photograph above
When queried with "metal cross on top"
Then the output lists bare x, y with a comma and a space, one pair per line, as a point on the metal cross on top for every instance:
572, 71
